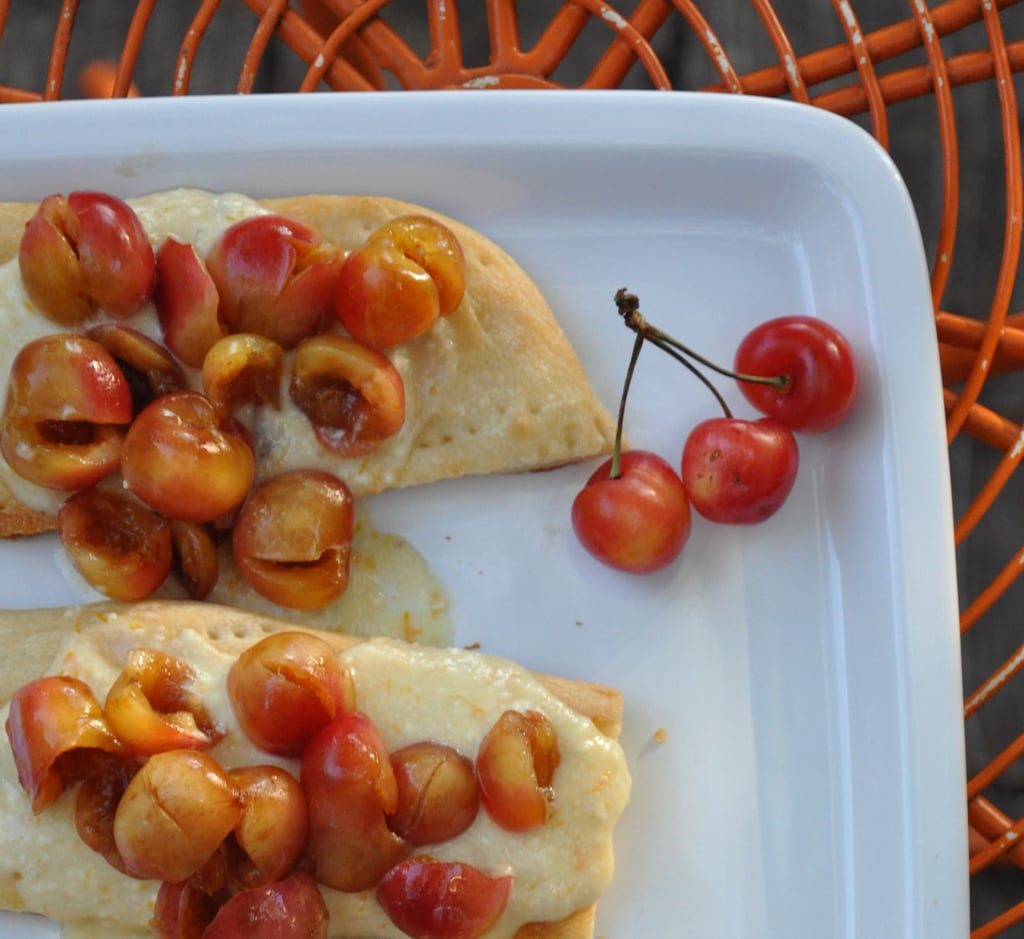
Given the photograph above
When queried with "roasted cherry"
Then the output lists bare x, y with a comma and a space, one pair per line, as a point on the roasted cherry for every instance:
292, 540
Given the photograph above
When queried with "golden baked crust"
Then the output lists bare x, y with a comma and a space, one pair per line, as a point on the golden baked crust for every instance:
13, 216
35, 640
17, 520
517, 399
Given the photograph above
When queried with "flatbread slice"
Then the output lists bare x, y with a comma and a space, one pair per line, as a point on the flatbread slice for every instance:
501, 390
95, 640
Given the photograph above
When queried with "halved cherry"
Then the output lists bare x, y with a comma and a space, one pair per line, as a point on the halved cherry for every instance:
183, 910
351, 789
436, 248
148, 367
353, 395
438, 797
178, 459
275, 819
51, 720
515, 767
395, 286
195, 563
186, 302
211, 904
174, 815
286, 687
275, 277
67, 402
96, 805
120, 547
429, 899
292, 908
84, 252
242, 369
152, 707
292, 539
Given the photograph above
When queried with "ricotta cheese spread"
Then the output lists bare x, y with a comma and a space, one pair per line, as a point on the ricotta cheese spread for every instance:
411, 693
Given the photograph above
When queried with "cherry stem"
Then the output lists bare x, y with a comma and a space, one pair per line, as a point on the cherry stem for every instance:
615, 470
629, 309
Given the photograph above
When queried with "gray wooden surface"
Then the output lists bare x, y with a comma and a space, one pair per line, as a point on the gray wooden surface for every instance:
811, 24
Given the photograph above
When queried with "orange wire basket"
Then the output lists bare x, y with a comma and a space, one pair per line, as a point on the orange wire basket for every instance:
935, 85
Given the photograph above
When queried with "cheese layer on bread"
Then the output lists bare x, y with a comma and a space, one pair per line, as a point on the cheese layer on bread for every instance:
411, 693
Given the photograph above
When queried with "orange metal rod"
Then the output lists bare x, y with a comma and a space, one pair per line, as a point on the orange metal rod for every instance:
190, 45
968, 332
883, 44
991, 490
942, 91
989, 823
59, 50
986, 425
1012, 223
648, 17
307, 43
701, 28
791, 68
866, 71
917, 81
981, 605
997, 849
258, 45
1000, 924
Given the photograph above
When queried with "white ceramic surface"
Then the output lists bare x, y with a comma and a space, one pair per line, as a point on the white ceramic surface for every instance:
805, 672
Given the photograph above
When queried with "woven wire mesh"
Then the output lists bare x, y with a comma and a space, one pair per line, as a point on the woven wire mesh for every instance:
938, 86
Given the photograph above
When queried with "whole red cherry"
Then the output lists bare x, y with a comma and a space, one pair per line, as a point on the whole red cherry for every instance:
638, 521
817, 361
739, 472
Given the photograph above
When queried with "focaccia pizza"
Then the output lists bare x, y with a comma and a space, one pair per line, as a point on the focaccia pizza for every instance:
176, 353
190, 767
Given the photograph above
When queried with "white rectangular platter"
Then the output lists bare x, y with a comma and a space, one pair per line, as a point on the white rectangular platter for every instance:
792, 690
